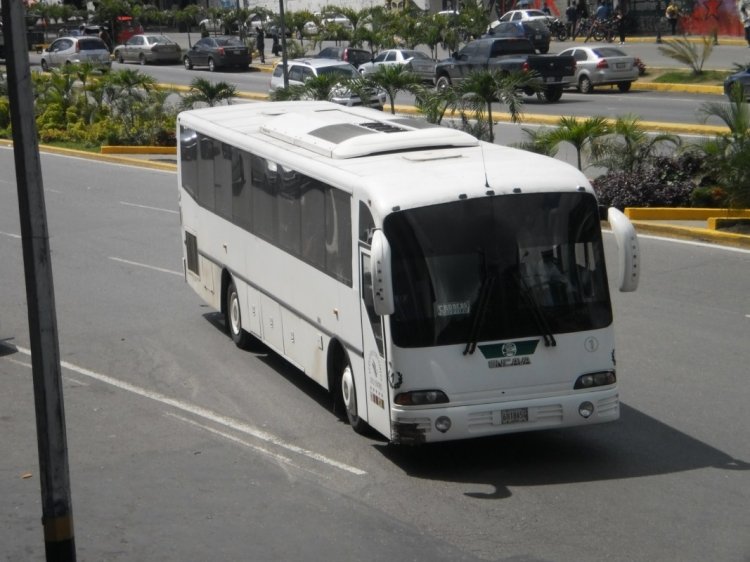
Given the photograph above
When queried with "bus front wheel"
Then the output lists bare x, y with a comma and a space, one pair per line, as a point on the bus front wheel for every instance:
349, 397
234, 318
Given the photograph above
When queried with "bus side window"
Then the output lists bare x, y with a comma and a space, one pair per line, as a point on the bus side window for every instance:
223, 180
289, 211
366, 223
313, 205
241, 212
265, 184
206, 195
339, 235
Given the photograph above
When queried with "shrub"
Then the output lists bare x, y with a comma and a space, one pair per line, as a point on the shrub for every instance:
709, 197
665, 184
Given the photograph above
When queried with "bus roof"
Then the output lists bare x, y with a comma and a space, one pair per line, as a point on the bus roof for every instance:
399, 161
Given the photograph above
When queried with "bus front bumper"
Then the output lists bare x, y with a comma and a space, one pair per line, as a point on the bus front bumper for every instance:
426, 425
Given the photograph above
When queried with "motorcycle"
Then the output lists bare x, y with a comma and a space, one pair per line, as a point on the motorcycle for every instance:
558, 29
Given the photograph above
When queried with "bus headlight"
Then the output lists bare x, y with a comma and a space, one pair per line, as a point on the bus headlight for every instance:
591, 380
421, 398
443, 424
586, 409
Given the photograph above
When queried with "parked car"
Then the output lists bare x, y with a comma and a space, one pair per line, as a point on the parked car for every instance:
416, 61
76, 50
148, 48
301, 70
742, 77
535, 31
216, 52
600, 66
347, 54
524, 15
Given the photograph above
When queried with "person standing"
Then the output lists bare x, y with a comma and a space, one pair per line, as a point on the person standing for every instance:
745, 18
672, 13
275, 48
571, 15
260, 42
620, 24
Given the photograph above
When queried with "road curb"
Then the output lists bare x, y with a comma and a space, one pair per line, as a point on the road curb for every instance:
695, 234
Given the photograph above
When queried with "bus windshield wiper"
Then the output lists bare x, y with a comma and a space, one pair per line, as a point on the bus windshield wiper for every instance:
540, 319
485, 292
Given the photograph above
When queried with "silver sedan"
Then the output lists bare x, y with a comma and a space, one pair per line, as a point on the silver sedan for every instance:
148, 48
602, 66
415, 61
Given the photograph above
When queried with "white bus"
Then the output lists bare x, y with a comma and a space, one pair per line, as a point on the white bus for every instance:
439, 287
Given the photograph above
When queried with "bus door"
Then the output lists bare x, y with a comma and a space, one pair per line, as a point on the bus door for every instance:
376, 373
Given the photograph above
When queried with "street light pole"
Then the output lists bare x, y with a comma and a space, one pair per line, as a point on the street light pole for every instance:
283, 44
658, 20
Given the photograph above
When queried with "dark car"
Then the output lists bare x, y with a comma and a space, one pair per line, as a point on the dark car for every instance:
351, 55
535, 30
217, 52
742, 78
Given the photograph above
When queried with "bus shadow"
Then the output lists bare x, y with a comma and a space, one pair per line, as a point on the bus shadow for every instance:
638, 445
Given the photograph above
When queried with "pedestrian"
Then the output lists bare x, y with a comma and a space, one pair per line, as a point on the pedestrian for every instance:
260, 43
275, 49
620, 24
545, 8
571, 15
672, 13
745, 18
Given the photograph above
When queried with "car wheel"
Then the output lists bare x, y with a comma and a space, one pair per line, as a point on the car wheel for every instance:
188, 63
550, 94
45, 66
142, 59
544, 49
624, 86
349, 397
211, 65
234, 318
442, 83
584, 85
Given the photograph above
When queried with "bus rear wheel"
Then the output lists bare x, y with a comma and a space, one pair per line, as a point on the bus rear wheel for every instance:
349, 397
234, 318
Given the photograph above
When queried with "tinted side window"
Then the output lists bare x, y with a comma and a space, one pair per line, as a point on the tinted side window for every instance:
206, 196
189, 160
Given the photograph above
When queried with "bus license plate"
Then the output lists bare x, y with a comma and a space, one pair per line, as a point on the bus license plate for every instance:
516, 415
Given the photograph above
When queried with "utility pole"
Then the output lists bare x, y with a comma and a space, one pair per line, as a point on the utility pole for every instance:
57, 514
659, 15
284, 59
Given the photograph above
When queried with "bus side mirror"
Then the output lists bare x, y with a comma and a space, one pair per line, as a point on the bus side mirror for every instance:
382, 280
627, 250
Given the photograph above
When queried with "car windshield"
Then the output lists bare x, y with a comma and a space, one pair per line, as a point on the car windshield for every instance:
526, 264
345, 70
229, 42
91, 44
160, 40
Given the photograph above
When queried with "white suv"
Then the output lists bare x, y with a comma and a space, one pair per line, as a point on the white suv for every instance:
300, 70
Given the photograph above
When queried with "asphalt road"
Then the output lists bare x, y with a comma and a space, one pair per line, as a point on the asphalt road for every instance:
183, 447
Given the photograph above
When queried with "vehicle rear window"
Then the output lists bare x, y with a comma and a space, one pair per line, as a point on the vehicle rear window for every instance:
93, 44
229, 42
347, 71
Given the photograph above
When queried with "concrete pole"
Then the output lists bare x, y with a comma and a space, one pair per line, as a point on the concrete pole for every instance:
57, 514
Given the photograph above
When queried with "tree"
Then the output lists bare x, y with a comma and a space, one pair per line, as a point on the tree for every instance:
583, 134
630, 147
728, 155
684, 51
203, 92
393, 79
480, 89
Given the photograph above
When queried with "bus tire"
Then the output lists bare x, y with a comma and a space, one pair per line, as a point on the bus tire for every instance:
234, 318
349, 397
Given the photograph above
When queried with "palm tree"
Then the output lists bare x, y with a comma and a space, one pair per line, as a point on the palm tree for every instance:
394, 79
684, 51
582, 134
480, 89
728, 155
631, 147
208, 93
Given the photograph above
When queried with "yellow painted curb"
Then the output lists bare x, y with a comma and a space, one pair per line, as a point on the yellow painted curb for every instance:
113, 149
699, 234
682, 214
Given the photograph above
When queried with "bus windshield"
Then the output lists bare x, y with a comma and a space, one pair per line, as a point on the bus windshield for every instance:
497, 268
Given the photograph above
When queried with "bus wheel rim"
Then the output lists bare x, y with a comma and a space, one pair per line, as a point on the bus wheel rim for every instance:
347, 389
